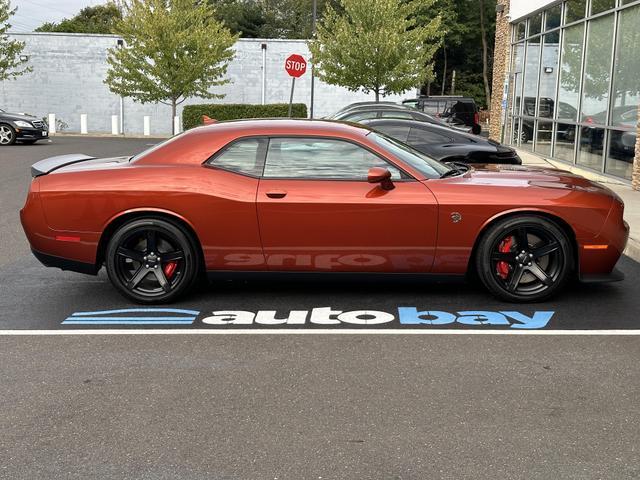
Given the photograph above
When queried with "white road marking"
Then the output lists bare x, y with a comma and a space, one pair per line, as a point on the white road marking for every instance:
320, 331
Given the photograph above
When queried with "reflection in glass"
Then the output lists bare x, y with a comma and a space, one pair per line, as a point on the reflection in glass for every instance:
552, 18
597, 71
535, 24
520, 31
516, 68
598, 6
590, 148
570, 65
626, 73
548, 74
574, 10
543, 138
621, 152
530, 81
524, 134
565, 141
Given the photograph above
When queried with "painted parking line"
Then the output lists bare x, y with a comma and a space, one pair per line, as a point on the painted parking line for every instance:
326, 331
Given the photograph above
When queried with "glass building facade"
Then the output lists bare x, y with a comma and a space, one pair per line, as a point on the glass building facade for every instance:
574, 84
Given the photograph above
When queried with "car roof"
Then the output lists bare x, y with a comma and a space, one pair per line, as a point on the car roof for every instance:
444, 129
290, 125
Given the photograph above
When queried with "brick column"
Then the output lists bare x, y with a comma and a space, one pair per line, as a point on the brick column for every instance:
500, 67
635, 175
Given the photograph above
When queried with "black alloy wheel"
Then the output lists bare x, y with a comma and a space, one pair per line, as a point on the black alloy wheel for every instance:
524, 259
151, 260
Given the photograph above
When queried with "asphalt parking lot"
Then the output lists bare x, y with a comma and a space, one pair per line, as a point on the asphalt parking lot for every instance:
414, 380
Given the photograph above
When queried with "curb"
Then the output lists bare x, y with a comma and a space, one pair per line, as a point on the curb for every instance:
633, 249
106, 135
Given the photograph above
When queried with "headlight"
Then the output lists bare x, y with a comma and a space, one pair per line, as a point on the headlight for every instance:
23, 124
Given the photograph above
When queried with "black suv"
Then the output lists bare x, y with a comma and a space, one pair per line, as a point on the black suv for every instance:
452, 109
24, 128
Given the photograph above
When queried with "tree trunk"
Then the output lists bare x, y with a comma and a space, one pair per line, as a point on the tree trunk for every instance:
377, 92
173, 115
444, 70
485, 67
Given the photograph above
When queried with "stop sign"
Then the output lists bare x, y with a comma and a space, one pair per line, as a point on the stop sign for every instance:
295, 65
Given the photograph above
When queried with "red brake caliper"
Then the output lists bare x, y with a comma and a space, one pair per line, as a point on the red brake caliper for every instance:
170, 268
503, 267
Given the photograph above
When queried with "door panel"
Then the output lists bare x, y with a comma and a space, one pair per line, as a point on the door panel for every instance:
343, 225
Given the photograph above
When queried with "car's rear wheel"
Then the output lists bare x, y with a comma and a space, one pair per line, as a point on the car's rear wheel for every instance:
151, 260
524, 259
7, 135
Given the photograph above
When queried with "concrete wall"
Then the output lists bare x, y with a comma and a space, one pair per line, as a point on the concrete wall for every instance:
69, 70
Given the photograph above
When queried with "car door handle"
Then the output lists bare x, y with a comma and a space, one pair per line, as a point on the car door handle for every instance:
276, 194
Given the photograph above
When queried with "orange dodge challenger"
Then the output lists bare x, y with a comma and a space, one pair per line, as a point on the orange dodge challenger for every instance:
316, 196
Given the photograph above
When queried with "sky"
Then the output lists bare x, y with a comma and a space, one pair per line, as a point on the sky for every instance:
33, 13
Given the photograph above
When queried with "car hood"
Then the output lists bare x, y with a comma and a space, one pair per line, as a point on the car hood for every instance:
528, 176
17, 116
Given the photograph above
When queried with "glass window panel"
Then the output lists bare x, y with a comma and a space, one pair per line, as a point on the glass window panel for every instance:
565, 141
535, 24
621, 152
598, 6
524, 134
574, 10
548, 74
426, 135
531, 70
570, 65
243, 156
399, 132
626, 72
552, 17
321, 159
517, 69
597, 71
520, 27
543, 139
590, 147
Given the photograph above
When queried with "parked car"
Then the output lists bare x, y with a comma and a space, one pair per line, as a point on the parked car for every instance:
23, 128
384, 111
277, 196
445, 144
369, 103
452, 109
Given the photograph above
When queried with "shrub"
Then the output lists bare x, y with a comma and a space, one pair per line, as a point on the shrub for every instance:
192, 114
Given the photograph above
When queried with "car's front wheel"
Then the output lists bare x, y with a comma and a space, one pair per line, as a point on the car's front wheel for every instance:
151, 260
524, 259
7, 135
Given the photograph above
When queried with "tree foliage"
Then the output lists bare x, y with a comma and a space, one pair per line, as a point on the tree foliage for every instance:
11, 65
97, 19
173, 49
377, 46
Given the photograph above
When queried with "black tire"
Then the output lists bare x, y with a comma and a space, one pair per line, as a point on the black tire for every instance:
530, 273
150, 260
7, 135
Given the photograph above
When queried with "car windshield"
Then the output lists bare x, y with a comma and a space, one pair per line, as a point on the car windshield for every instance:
429, 167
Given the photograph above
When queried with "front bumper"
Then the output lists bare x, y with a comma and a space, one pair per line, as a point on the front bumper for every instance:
31, 133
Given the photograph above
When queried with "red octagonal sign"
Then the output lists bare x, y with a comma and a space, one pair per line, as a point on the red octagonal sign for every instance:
295, 65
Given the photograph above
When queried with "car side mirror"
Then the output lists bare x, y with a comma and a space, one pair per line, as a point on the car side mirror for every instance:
382, 176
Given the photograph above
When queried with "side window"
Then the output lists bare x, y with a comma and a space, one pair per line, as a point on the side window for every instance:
242, 156
396, 114
357, 116
398, 132
419, 136
319, 158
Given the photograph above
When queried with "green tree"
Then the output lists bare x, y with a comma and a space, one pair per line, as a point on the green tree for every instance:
97, 19
245, 17
173, 49
11, 65
377, 46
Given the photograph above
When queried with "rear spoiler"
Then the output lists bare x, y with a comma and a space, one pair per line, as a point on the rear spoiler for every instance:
50, 164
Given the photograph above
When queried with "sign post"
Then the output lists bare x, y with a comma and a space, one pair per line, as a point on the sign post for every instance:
295, 65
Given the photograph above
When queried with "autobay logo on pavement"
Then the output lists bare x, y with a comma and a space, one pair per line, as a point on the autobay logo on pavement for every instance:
323, 316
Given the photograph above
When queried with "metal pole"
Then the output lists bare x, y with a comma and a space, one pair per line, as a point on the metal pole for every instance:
264, 72
313, 32
293, 83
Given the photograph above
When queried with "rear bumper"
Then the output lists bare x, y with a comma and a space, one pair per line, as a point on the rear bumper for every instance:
614, 276
65, 263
